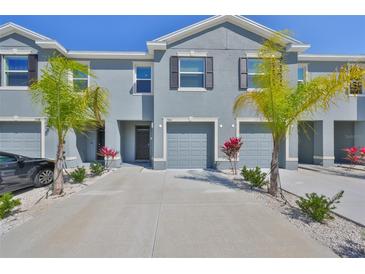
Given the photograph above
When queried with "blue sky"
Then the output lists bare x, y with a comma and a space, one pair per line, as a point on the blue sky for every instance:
326, 34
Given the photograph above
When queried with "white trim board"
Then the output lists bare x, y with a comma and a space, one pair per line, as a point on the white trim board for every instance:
318, 157
329, 57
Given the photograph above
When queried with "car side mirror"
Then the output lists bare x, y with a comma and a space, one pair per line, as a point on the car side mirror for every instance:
20, 161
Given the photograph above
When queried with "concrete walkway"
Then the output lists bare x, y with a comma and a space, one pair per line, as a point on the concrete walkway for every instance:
328, 182
135, 212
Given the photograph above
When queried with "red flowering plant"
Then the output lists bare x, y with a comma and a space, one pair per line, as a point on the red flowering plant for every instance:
109, 155
355, 155
231, 149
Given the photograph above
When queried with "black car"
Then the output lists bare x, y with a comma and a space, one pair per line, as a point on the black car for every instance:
17, 172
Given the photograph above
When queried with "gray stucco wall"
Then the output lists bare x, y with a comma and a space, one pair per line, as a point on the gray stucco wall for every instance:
226, 44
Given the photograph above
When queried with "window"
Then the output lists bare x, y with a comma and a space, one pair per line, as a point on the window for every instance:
356, 86
252, 66
302, 69
16, 71
80, 80
191, 72
7, 159
143, 83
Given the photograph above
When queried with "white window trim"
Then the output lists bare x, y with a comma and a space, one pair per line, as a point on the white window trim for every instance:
17, 88
142, 64
252, 74
4, 71
305, 71
192, 89
71, 77
180, 88
192, 53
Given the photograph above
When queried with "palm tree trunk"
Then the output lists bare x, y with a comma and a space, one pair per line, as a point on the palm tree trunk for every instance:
274, 175
58, 170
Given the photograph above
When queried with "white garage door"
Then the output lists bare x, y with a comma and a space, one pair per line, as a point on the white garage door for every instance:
22, 138
190, 145
257, 145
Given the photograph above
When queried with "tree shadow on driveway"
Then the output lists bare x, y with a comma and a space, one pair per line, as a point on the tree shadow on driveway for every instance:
209, 176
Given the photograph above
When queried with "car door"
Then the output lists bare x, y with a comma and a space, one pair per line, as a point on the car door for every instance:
8, 173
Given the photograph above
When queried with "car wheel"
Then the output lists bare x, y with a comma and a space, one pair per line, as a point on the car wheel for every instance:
43, 177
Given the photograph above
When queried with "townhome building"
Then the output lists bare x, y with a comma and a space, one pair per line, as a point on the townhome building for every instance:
171, 106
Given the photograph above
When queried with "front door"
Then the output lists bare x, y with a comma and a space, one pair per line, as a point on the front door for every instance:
142, 143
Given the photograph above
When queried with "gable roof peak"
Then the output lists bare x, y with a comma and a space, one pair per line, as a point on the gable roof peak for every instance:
237, 20
11, 27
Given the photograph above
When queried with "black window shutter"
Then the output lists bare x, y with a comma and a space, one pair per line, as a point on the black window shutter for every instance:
243, 73
209, 79
174, 72
33, 68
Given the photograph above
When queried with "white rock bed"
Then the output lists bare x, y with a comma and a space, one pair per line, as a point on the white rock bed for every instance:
344, 237
35, 200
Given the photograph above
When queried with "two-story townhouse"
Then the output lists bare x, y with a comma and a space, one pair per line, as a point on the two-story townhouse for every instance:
172, 105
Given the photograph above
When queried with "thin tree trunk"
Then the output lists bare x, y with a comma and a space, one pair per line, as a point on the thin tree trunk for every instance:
274, 175
230, 163
58, 171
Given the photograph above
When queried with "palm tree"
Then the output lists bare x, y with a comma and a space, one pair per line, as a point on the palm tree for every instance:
67, 106
282, 105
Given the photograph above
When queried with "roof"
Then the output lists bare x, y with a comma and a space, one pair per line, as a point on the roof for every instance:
331, 57
160, 43
10, 27
219, 19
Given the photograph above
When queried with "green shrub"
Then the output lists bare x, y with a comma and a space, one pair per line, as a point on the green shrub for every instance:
318, 207
7, 204
78, 175
255, 177
96, 169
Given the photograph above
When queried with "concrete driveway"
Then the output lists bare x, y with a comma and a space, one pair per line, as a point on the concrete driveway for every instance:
137, 212
329, 182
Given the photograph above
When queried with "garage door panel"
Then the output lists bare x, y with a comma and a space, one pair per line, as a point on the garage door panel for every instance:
257, 145
189, 145
22, 138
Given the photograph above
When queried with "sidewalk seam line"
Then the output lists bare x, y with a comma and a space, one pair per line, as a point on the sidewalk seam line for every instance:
158, 216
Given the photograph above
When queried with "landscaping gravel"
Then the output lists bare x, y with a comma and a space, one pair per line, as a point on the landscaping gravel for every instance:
36, 200
344, 237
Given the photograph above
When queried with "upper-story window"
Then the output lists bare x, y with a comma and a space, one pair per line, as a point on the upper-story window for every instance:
143, 79
16, 72
192, 72
252, 72
302, 73
80, 80
356, 86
